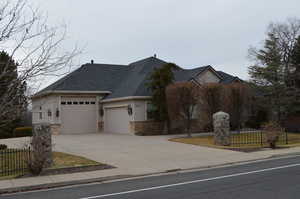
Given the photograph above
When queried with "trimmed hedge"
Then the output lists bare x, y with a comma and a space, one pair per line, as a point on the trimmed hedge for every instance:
22, 132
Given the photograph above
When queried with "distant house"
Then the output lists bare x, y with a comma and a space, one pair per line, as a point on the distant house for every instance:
108, 98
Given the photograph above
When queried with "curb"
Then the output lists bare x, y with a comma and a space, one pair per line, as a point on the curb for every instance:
128, 177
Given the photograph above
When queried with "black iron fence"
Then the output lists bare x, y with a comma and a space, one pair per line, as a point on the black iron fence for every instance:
259, 138
14, 162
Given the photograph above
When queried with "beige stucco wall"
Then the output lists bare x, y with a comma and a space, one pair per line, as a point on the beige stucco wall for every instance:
208, 77
140, 108
118, 104
43, 105
52, 103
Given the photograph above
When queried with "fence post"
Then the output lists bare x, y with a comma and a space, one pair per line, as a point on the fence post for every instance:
261, 138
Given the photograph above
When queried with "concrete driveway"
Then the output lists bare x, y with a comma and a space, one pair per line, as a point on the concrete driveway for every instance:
141, 154
136, 154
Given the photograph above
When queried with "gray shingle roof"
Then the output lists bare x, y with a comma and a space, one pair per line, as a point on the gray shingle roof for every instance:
122, 80
91, 77
134, 83
227, 78
188, 74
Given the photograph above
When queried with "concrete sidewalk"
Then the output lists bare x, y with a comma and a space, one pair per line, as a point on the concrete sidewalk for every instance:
133, 156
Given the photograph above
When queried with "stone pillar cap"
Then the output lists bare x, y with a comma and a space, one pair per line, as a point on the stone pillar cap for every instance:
221, 113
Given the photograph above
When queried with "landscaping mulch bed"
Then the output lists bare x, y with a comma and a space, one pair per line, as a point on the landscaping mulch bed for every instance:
69, 170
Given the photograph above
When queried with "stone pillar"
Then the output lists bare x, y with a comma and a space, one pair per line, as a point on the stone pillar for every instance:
41, 143
221, 123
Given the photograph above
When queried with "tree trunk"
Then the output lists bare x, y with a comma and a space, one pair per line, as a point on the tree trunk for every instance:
168, 126
188, 127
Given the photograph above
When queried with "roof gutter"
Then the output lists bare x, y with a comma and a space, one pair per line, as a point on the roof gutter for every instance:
68, 92
127, 98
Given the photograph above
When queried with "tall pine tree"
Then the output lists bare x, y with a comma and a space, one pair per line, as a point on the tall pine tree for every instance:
293, 92
269, 74
12, 90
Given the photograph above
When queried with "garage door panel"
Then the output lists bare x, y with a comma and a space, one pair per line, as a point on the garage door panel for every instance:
78, 115
117, 120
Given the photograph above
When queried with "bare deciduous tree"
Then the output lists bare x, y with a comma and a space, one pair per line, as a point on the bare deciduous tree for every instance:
183, 98
238, 99
36, 47
210, 102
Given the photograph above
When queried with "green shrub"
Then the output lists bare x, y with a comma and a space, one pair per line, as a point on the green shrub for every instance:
3, 146
22, 132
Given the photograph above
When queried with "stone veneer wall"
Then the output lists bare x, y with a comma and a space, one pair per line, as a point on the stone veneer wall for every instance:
147, 127
100, 126
41, 143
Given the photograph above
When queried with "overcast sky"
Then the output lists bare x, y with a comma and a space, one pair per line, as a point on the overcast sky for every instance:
190, 33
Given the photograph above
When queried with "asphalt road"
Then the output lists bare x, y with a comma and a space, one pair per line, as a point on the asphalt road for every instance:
272, 179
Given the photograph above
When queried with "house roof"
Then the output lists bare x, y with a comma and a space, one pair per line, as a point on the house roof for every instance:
134, 83
91, 77
227, 78
121, 80
188, 74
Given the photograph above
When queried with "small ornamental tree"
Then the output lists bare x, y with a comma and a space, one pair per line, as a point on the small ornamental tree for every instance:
182, 99
210, 102
158, 82
272, 130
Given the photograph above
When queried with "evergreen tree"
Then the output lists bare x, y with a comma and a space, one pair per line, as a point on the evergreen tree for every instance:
269, 73
159, 80
13, 90
293, 92
295, 59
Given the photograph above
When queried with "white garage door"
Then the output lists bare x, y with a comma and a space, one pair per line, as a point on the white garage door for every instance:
78, 115
116, 120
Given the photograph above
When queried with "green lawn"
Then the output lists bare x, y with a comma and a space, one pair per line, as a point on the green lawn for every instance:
294, 140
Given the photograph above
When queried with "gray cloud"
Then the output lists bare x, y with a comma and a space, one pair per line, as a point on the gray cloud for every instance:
190, 33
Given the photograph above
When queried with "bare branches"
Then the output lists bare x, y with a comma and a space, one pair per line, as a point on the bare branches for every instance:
36, 47
238, 100
183, 98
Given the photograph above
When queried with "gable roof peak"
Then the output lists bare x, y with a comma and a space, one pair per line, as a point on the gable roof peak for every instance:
151, 59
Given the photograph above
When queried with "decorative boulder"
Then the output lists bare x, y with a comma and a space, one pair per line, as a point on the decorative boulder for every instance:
222, 135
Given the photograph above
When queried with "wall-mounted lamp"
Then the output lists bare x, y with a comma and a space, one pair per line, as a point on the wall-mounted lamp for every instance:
129, 109
57, 112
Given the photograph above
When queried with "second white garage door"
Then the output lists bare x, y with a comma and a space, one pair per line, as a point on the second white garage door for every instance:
78, 115
117, 120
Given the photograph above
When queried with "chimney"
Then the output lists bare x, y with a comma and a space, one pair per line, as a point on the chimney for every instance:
92, 61
155, 56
